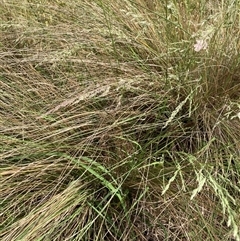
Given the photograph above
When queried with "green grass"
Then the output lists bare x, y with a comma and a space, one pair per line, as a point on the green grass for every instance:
116, 124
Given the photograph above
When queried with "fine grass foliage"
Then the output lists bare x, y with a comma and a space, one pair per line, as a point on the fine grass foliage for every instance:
119, 120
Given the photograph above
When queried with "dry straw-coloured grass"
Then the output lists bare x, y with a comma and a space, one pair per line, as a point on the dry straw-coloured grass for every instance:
112, 127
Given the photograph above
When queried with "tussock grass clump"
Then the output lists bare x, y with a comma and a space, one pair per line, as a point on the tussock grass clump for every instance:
119, 120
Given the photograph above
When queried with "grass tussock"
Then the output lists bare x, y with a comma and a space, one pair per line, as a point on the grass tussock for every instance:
119, 120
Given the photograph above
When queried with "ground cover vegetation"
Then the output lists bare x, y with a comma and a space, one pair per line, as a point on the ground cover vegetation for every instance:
119, 120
